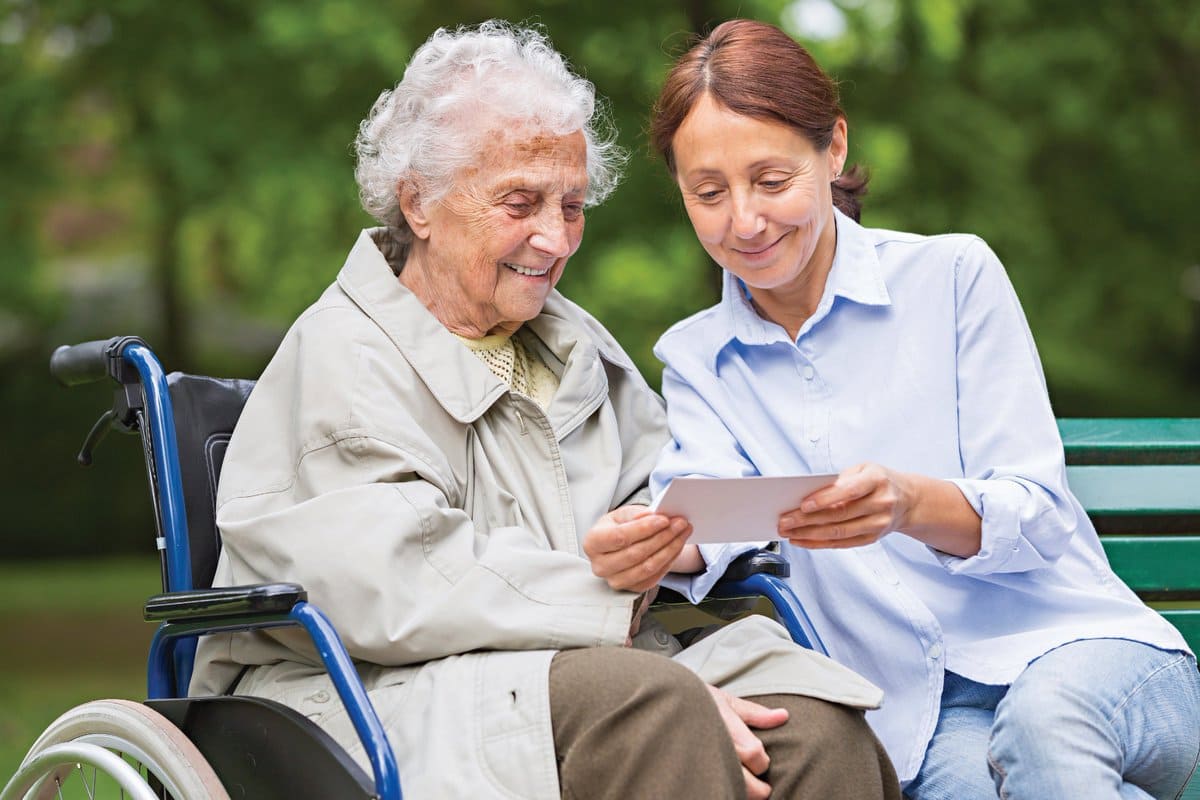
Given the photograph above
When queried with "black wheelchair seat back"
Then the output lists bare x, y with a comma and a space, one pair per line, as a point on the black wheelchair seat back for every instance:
206, 411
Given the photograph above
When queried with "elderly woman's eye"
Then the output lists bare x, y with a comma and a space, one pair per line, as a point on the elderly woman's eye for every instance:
519, 207
772, 185
572, 211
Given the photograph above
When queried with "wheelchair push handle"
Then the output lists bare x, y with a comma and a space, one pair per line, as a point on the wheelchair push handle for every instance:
88, 362
75, 364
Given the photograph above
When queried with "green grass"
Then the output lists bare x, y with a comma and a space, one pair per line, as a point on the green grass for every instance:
72, 632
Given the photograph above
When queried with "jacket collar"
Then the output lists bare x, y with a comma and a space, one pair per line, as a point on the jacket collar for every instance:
856, 276
464, 386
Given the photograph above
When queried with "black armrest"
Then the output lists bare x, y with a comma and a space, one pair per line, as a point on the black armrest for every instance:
754, 562
227, 603
757, 562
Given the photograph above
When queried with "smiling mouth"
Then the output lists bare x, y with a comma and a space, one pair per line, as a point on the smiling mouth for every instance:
760, 250
529, 271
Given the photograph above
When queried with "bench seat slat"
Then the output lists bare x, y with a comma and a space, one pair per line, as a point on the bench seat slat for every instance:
1156, 563
1146, 489
1187, 620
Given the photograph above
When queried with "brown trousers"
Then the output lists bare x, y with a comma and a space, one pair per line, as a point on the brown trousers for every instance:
631, 725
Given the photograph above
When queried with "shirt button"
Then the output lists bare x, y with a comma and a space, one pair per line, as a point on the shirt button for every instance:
816, 437
808, 373
935, 651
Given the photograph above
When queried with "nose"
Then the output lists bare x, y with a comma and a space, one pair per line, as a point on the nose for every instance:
550, 234
746, 222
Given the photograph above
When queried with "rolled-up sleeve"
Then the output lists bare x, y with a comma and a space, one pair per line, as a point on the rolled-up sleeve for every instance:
1012, 460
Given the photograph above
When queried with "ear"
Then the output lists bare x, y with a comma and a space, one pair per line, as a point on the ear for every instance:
413, 210
839, 147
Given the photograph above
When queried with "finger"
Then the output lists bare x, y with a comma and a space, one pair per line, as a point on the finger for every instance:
838, 544
756, 715
750, 750
647, 572
619, 536
756, 788
838, 512
629, 513
641, 565
636, 553
876, 522
852, 484
752, 754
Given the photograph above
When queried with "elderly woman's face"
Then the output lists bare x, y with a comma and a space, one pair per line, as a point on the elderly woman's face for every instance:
496, 245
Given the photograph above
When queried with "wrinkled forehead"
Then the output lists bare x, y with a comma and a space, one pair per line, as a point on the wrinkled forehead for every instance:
530, 156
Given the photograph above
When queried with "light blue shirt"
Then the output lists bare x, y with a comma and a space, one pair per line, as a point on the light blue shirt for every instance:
918, 358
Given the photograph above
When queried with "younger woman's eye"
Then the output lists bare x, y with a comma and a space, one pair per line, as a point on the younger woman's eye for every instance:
772, 185
709, 196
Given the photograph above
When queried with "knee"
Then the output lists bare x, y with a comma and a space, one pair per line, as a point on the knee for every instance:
822, 728
633, 684
1034, 710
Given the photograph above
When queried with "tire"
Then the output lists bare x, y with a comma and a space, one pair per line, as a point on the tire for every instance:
167, 762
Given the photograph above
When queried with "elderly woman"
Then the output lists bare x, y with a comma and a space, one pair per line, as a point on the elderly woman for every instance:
439, 440
949, 561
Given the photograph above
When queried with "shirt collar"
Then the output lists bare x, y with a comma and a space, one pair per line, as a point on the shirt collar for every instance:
856, 276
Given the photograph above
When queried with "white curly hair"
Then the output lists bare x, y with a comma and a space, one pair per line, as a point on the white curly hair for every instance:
486, 75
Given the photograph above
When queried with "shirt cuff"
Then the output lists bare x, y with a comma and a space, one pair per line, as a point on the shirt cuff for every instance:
717, 558
1000, 540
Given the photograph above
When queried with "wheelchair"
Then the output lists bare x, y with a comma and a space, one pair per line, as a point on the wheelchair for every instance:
230, 747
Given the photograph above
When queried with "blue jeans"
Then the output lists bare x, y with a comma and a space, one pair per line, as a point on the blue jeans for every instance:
1097, 718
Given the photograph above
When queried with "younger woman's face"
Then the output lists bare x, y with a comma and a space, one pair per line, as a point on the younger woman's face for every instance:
759, 195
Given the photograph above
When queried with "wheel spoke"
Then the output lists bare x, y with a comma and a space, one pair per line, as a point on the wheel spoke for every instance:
91, 790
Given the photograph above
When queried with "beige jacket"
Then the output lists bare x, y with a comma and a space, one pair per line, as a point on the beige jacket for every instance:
437, 519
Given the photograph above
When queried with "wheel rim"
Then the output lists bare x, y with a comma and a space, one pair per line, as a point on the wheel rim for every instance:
113, 749
152, 773
81, 770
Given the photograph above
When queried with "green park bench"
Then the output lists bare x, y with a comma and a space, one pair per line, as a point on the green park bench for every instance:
1139, 480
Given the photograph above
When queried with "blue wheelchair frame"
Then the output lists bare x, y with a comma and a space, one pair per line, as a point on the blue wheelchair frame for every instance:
186, 613
195, 613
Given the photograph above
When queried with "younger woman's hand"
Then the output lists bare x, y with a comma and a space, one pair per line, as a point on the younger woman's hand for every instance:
868, 501
632, 547
862, 505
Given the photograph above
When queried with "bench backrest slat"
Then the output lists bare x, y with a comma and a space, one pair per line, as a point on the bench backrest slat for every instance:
1143, 489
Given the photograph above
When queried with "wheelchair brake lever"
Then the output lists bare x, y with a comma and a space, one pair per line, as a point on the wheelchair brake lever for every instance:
95, 436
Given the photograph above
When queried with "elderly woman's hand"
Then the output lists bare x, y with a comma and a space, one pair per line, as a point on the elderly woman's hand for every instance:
632, 547
869, 501
739, 716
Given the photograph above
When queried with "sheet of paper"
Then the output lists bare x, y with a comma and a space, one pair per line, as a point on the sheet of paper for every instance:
736, 509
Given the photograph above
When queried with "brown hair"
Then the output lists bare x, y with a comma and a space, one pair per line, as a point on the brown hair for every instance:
755, 69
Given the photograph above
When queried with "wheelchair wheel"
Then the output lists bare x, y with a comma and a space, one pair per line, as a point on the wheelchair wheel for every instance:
118, 749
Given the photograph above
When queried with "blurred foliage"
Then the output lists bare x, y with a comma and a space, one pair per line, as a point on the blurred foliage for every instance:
183, 171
